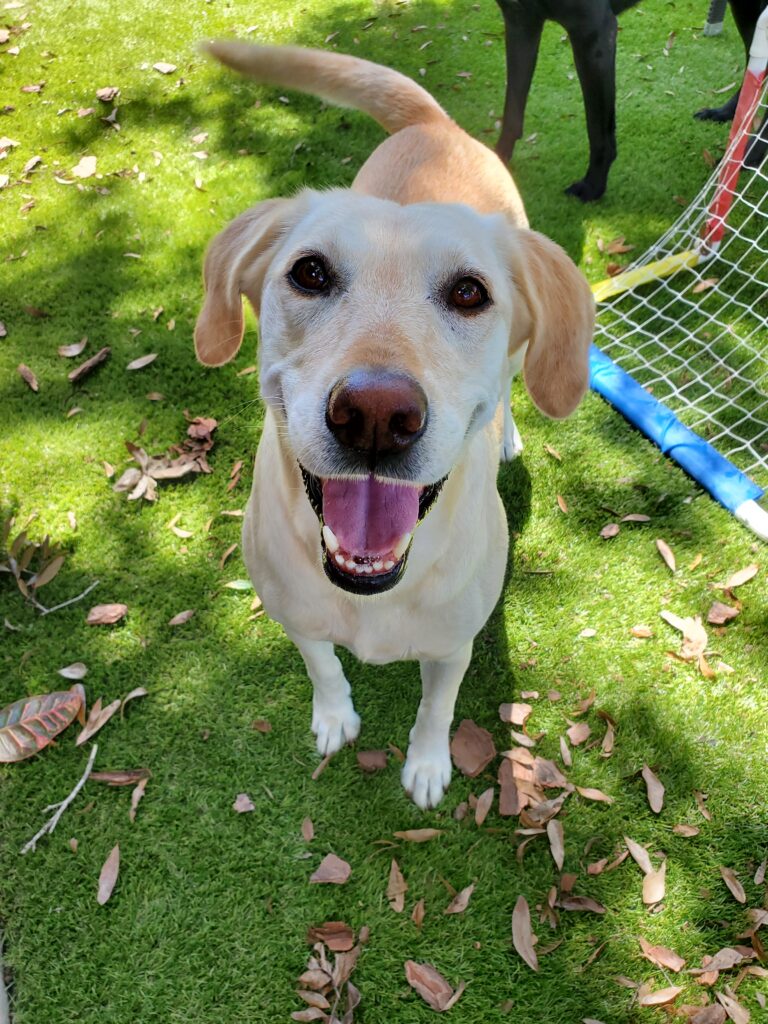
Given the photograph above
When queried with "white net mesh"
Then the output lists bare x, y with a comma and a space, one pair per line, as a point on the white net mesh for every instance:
698, 339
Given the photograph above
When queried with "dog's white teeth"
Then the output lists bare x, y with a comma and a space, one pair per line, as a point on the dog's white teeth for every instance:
400, 548
340, 559
359, 569
378, 565
350, 564
330, 540
389, 564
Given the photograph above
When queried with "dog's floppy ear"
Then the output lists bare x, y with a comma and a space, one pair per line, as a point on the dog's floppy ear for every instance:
557, 320
235, 264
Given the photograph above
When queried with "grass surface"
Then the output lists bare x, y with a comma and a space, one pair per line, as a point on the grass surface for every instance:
208, 919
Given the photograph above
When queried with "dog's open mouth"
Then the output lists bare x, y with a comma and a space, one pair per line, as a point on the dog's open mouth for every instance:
367, 527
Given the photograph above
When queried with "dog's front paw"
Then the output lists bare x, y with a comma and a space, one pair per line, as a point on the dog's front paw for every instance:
334, 726
585, 190
512, 443
426, 775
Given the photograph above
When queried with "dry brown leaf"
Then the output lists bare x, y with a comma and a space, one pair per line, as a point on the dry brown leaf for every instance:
28, 376
556, 842
641, 632
703, 285
581, 903
142, 361
712, 1014
472, 748
694, 635
687, 831
106, 614
432, 986
136, 796
737, 1013
741, 577
640, 855
610, 530
562, 503
662, 997
760, 873
515, 714
85, 168
597, 867
417, 915
164, 67
565, 753
372, 760
96, 720
397, 887
655, 885
337, 935
484, 804
243, 804
578, 733
307, 830
661, 956
181, 617
81, 371
546, 773
736, 888
75, 349
666, 553
522, 933
655, 790
594, 794
460, 901
122, 777
108, 876
332, 870
77, 670
723, 960
721, 613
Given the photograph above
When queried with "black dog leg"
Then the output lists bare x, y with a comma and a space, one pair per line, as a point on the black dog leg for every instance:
522, 43
594, 52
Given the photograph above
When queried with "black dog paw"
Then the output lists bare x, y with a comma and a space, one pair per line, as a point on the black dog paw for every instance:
585, 190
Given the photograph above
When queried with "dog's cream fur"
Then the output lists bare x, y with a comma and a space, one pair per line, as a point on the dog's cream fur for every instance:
430, 201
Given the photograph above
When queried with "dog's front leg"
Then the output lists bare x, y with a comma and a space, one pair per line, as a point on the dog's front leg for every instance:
334, 719
427, 768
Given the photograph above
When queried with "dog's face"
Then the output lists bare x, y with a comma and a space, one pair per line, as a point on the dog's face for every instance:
384, 336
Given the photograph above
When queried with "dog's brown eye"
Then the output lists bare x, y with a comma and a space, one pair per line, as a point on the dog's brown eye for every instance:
310, 274
467, 293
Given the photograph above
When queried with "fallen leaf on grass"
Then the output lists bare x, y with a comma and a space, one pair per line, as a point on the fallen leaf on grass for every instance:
742, 576
70, 351
417, 915
578, 733
721, 613
641, 632
97, 719
432, 986
81, 371
108, 876
483, 806
460, 901
142, 361
609, 530
372, 760
397, 887
337, 935
522, 933
661, 956
181, 617
107, 94
723, 960
640, 855
565, 753
688, 831
556, 842
581, 903
28, 377
86, 168
30, 724
594, 794
694, 635
734, 885
760, 873
515, 714
655, 790
418, 835
77, 670
106, 614
472, 748
126, 777
712, 1014
332, 870
136, 797
307, 830
737, 1013
654, 885
666, 553
243, 804
704, 284
662, 997
164, 68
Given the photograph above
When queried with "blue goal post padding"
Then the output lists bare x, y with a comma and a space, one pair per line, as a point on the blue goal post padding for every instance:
715, 473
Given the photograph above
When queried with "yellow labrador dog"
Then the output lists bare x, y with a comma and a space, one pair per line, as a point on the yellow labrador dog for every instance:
391, 317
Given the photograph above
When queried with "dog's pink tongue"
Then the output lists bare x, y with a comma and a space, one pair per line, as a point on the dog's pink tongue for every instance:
369, 517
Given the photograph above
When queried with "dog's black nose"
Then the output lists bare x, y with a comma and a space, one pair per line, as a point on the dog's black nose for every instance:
376, 411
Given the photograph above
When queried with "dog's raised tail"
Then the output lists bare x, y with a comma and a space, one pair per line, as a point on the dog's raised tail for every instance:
390, 98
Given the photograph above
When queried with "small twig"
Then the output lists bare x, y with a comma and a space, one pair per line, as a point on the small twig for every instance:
72, 600
51, 824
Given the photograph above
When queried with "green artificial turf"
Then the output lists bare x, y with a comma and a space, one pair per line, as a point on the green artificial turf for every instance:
208, 919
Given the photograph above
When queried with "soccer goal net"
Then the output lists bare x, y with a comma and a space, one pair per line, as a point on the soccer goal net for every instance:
682, 334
